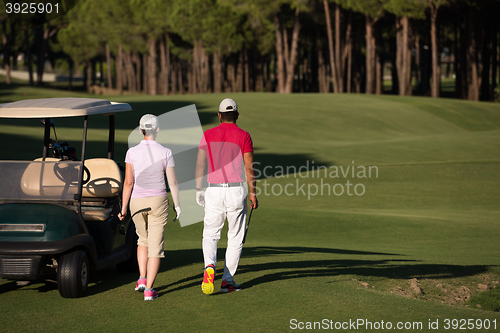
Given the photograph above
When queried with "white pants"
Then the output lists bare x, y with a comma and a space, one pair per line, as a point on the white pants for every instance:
222, 202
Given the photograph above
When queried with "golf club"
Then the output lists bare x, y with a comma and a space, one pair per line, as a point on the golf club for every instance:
246, 228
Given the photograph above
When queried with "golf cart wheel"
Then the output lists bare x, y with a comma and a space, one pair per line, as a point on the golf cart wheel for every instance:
73, 274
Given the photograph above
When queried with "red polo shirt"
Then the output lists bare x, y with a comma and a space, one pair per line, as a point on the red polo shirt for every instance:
225, 146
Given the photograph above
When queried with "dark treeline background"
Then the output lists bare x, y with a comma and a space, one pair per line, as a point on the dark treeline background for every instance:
198, 46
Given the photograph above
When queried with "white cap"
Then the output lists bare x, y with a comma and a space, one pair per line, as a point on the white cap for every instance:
228, 105
148, 121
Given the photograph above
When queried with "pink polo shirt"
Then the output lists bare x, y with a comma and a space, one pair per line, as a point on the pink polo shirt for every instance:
225, 146
149, 160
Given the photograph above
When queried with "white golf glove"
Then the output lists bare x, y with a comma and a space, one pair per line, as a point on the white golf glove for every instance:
200, 197
177, 212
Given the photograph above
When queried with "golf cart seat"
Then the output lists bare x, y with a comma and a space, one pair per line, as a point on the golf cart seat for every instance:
57, 181
105, 183
105, 179
50, 180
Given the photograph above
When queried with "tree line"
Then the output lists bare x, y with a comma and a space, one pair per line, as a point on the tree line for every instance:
199, 46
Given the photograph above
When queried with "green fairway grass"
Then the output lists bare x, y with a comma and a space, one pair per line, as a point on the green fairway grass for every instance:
420, 245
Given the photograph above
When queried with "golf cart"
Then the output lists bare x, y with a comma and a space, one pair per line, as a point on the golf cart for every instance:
60, 213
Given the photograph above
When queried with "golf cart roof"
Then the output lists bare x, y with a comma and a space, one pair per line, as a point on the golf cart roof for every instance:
60, 107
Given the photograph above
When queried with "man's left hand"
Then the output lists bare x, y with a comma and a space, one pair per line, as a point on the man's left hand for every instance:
177, 212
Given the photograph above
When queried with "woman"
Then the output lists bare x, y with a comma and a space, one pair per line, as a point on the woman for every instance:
144, 185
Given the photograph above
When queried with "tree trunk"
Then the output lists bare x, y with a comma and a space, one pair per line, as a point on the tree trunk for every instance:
339, 59
494, 61
93, 71
205, 70
165, 66
6, 53
42, 49
191, 76
259, 74
246, 70
268, 76
472, 60
436, 68
40, 57
174, 76
131, 74
239, 74
330, 47
280, 68
394, 76
348, 53
303, 72
292, 62
108, 65
349, 69
138, 72
196, 70
77, 68
458, 56
180, 77
217, 69
200, 70
71, 67
169, 64
29, 60
119, 69
418, 68
379, 80
370, 55
487, 28
230, 82
101, 71
145, 72
357, 68
150, 67
286, 48
407, 56
403, 56
195, 77
323, 81
85, 79
427, 71
88, 74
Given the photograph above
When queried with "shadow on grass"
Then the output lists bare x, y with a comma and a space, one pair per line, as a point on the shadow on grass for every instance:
278, 270
276, 165
44, 284
274, 268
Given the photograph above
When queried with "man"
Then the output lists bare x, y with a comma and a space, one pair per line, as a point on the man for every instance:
228, 152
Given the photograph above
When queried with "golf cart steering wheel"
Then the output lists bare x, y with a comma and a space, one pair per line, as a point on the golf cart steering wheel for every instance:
68, 176
102, 184
86, 176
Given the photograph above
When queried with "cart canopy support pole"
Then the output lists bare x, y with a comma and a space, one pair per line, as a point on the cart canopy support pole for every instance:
46, 139
111, 137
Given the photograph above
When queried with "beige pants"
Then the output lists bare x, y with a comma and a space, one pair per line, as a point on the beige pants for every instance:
150, 217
